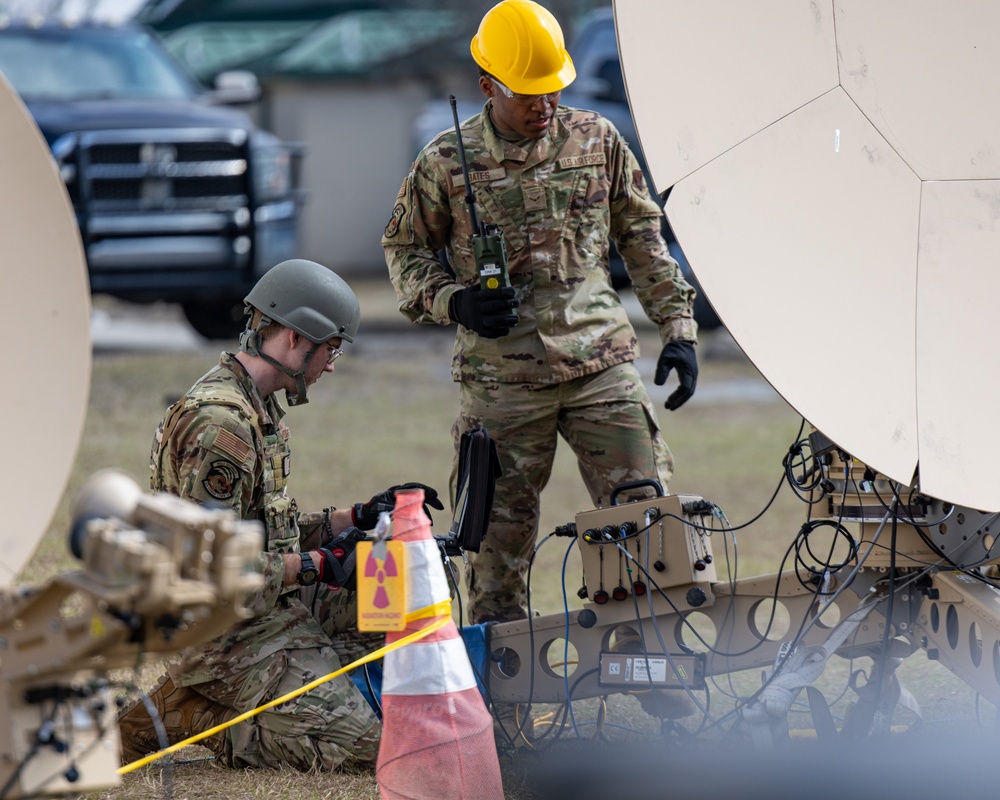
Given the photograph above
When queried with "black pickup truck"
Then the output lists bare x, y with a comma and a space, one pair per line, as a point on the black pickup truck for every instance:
178, 198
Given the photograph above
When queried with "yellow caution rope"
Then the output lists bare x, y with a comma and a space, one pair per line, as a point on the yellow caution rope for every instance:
440, 610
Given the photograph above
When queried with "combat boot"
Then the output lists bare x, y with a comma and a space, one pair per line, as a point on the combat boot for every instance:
513, 726
183, 712
667, 704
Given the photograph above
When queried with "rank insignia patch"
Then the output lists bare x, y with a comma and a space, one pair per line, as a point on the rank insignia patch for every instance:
638, 181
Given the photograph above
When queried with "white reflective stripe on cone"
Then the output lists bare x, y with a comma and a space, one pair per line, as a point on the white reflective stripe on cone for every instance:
428, 668
425, 578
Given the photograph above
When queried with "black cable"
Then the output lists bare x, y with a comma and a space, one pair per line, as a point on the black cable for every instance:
371, 690
35, 746
450, 569
934, 547
569, 706
663, 646
799, 485
798, 543
98, 740
795, 459
728, 621
569, 699
804, 628
481, 679
38, 743
763, 511
803, 625
884, 653
162, 740
784, 477
839, 531
908, 518
732, 528
969, 570
697, 635
796, 640
531, 645
828, 566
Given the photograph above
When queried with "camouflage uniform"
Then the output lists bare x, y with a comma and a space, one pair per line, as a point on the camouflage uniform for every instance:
225, 443
565, 368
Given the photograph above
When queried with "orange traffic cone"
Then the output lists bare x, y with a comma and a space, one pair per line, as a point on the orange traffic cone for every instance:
437, 736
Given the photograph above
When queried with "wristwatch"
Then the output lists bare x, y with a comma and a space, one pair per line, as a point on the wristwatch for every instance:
308, 573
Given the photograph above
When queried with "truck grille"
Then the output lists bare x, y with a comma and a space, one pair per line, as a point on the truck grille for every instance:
163, 170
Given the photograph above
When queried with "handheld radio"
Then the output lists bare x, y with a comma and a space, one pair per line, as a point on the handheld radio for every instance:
487, 240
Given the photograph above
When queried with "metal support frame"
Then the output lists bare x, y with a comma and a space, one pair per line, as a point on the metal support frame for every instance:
674, 615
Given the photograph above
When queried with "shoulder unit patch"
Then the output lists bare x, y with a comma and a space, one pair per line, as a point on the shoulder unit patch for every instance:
397, 216
221, 480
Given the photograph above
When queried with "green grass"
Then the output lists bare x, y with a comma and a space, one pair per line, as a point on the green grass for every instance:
384, 418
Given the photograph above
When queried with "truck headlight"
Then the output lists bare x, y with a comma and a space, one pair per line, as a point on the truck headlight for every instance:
64, 153
272, 173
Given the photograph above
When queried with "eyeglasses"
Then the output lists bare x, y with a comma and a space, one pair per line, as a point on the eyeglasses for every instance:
526, 100
334, 354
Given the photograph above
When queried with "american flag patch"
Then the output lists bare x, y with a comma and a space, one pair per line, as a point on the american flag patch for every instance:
232, 445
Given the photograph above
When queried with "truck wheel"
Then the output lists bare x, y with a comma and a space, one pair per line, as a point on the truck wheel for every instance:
219, 318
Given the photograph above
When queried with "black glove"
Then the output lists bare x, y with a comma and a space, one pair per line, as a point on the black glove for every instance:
339, 559
488, 312
679, 355
365, 515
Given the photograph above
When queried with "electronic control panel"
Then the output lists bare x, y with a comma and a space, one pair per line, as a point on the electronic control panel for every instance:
648, 546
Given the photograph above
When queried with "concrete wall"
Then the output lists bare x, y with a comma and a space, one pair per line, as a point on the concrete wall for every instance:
359, 148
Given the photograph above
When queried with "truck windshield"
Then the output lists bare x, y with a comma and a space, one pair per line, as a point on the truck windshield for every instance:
81, 65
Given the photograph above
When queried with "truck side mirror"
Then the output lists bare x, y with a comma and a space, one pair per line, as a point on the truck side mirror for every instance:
235, 87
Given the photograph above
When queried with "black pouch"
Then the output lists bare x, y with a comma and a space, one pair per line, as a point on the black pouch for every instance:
478, 470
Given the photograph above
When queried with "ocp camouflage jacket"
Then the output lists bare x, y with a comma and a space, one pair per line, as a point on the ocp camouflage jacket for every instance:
557, 203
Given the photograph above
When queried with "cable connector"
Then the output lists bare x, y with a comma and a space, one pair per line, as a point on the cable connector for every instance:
698, 508
569, 529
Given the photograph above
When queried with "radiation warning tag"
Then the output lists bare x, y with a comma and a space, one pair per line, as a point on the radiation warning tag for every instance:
381, 575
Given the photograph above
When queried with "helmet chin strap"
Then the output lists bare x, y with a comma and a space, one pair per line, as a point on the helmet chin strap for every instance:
250, 342
298, 397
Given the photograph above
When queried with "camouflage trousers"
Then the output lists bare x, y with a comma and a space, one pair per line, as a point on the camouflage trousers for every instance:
329, 727
606, 418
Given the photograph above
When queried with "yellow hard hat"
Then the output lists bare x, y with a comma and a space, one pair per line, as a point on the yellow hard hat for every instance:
521, 44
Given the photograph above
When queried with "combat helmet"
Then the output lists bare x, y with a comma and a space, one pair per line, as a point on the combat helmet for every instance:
521, 44
308, 298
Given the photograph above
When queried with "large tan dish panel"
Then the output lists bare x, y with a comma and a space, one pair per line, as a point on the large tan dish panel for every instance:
46, 348
814, 275
925, 73
861, 289
958, 359
706, 75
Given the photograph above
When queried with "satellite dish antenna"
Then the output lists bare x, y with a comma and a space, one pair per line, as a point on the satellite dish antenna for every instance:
45, 349
835, 183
